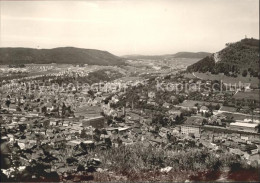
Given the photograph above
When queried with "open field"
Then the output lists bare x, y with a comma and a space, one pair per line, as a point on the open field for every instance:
252, 95
192, 103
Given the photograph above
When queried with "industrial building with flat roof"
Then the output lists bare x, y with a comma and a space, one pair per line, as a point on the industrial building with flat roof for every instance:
246, 127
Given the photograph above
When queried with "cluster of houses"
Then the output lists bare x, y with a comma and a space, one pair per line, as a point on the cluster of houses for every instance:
70, 122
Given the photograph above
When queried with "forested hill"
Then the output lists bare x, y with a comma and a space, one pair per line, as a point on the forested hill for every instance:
191, 54
63, 55
235, 58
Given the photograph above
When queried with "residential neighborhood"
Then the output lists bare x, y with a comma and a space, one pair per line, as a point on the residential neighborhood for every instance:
129, 91
65, 126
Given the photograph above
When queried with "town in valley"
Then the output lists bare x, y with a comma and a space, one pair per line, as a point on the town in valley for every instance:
54, 127
130, 91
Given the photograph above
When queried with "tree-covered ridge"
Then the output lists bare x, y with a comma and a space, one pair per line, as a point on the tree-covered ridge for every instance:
204, 65
63, 55
235, 58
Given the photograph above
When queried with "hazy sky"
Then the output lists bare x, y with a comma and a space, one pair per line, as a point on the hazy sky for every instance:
129, 27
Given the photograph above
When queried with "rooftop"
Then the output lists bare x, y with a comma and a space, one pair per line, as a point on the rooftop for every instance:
251, 125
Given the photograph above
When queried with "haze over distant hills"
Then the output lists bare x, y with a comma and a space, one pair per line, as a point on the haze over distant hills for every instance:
235, 58
176, 55
62, 55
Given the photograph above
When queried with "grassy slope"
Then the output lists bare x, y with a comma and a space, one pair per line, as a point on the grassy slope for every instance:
226, 79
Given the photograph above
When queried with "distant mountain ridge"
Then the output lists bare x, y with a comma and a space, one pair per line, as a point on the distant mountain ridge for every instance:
191, 54
176, 55
235, 58
61, 55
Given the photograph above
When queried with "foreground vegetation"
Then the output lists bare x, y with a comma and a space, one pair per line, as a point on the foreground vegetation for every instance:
139, 163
